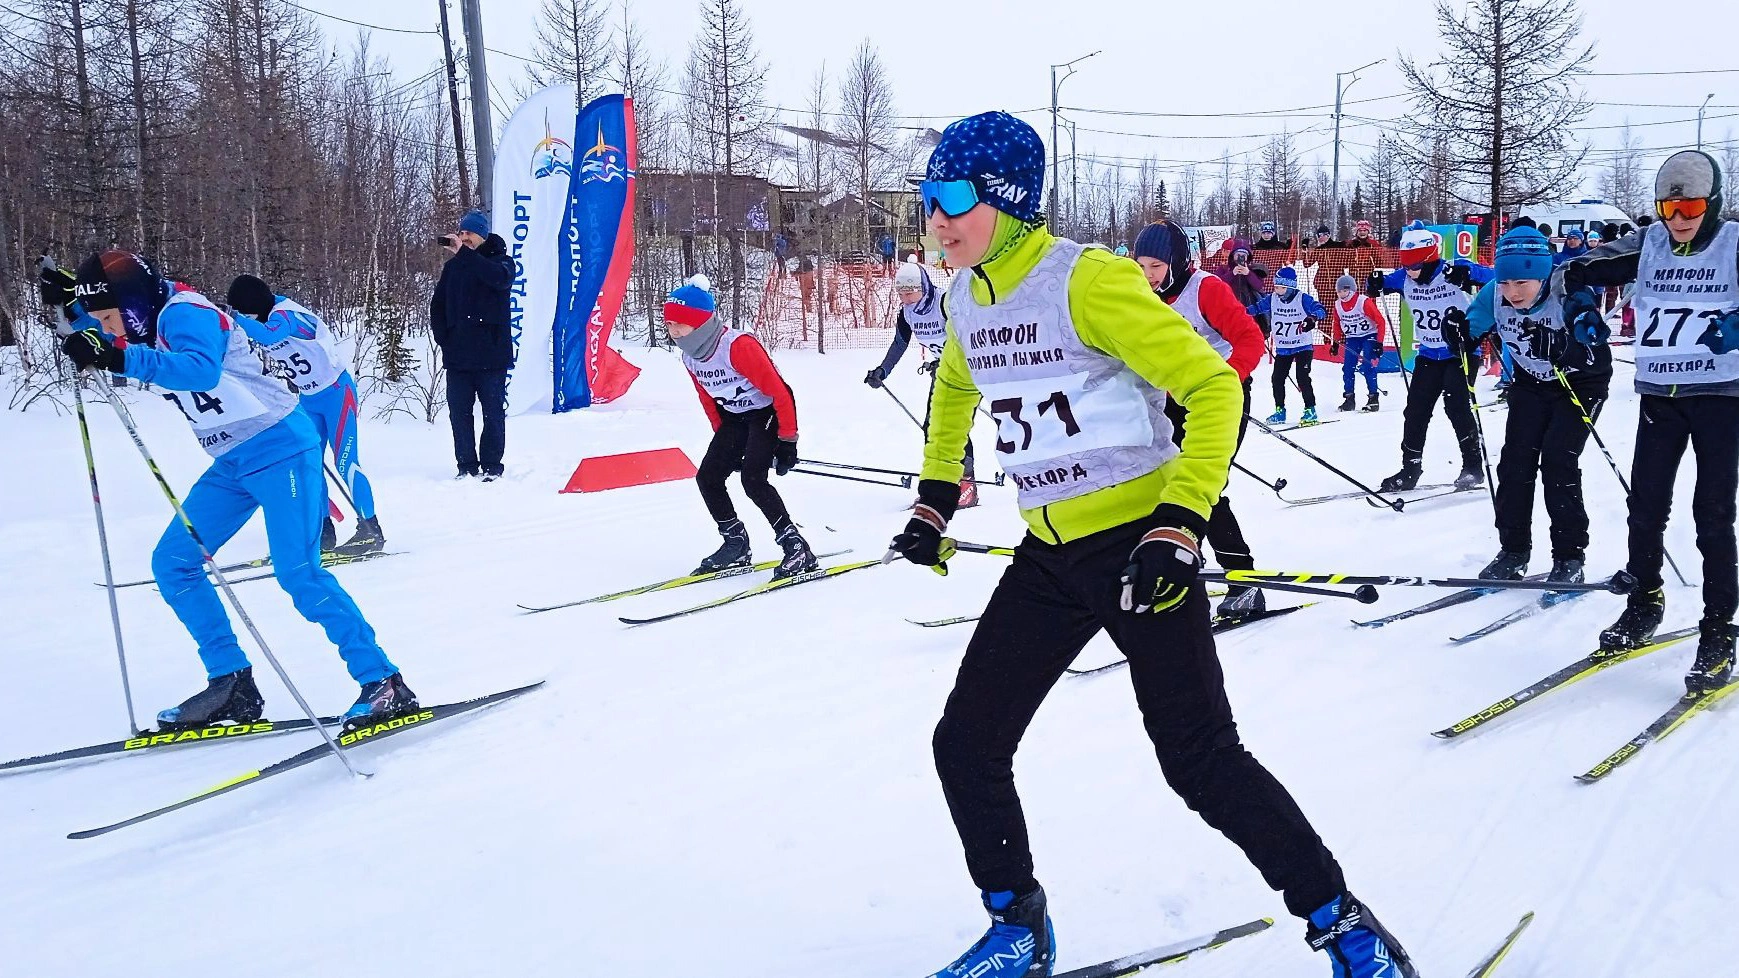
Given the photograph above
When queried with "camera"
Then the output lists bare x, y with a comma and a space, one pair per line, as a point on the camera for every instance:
444, 240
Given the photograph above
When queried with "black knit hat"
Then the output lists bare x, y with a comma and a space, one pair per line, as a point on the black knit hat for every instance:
251, 297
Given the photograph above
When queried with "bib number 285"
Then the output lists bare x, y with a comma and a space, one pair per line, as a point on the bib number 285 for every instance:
1056, 406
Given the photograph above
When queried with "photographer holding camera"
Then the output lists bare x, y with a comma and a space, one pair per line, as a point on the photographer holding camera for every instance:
469, 316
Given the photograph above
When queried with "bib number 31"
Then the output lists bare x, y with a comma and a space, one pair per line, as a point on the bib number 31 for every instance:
1055, 407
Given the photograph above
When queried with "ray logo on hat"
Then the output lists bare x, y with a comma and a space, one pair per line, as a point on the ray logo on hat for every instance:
126, 282
1001, 156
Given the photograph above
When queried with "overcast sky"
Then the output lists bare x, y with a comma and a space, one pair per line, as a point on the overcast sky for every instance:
1221, 56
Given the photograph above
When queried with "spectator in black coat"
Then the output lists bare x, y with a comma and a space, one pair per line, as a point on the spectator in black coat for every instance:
470, 318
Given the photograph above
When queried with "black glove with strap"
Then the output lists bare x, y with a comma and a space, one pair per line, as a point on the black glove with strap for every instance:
1374, 284
1455, 334
1163, 566
87, 348
875, 377
785, 455
922, 541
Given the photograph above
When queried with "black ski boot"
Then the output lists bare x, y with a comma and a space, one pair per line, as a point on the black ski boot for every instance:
1370, 404
1641, 616
1565, 570
1472, 465
380, 700
227, 699
1346, 401
328, 536
368, 539
1411, 469
1241, 602
1714, 666
1508, 565
734, 552
799, 559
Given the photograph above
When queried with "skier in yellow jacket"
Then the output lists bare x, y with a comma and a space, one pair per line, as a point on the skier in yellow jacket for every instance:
1076, 356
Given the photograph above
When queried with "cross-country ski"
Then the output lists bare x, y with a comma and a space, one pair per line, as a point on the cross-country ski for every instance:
622, 329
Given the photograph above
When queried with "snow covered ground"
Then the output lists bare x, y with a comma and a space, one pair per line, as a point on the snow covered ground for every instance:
749, 792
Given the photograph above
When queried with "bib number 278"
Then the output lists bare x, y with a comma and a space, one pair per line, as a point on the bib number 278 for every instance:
1056, 406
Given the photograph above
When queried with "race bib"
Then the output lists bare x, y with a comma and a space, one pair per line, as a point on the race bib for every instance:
1048, 418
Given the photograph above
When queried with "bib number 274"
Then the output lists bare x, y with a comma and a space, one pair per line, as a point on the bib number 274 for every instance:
1055, 406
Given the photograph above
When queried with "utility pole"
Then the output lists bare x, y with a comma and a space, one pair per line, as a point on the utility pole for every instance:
1334, 204
1056, 155
1074, 183
481, 128
1700, 110
458, 124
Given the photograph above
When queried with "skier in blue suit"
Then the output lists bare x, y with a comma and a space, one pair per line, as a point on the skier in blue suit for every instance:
301, 346
265, 456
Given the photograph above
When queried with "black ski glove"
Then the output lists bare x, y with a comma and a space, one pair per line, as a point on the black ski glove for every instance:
55, 285
1458, 275
1163, 566
875, 377
922, 541
1374, 285
87, 348
785, 455
1455, 333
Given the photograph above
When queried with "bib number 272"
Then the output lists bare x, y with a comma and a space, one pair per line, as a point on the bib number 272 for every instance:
1056, 406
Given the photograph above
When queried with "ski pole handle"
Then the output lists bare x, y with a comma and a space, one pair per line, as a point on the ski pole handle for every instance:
1363, 594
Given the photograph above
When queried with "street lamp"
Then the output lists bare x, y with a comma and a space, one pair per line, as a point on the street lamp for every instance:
1700, 109
1334, 205
1056, 159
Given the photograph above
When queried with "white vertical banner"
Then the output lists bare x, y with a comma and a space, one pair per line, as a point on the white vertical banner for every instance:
533, 165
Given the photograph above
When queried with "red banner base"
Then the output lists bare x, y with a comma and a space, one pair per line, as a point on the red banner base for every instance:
632, 469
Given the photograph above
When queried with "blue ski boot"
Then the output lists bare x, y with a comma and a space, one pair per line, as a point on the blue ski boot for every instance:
1279, 415
231, 698
1309, 417
1019, 944
380, 700
1357, 944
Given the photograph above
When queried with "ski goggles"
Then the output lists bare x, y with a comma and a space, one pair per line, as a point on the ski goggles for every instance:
952, 197
1688, 208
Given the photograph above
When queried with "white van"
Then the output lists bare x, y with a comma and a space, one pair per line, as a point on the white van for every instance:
1579, 215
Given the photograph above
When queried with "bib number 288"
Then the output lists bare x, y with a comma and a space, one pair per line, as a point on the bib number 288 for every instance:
1056, 407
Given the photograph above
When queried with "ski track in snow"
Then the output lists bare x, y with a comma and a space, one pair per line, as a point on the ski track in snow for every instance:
750, 791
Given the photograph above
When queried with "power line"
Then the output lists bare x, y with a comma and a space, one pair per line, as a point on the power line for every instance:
358, 23
1639, 74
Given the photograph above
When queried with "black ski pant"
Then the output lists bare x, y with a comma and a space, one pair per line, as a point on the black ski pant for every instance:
743, 442
1301, 362
1224, 533
1435, 380
488, 390
1709, 424
1544, 435
970, 474
1051, 600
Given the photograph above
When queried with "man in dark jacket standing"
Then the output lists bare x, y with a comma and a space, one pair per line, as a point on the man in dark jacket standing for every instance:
469, 315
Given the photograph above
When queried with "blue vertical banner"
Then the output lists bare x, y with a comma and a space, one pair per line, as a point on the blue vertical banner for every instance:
596, 250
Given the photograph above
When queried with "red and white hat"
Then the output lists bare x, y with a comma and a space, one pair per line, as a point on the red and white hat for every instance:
1419, 246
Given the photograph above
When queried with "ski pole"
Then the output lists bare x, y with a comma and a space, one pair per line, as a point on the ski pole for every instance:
904, 483
343, 490
1256, 577
902, 404
1395, 504
901, 472
1276, 485
1624, 483
1479, 430
217, 573
1363, 594
103, 542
